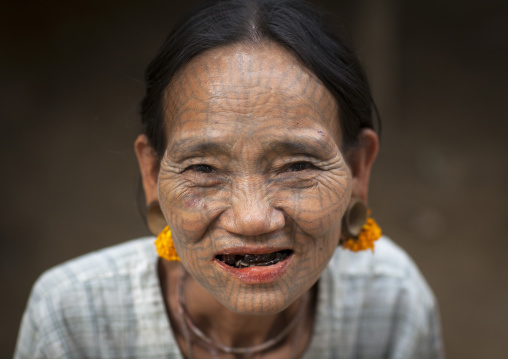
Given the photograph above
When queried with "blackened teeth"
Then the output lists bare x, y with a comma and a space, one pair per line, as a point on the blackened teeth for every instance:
251, 260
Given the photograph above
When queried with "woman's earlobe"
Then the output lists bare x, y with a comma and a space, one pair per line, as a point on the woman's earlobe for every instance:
361, 161
148, 166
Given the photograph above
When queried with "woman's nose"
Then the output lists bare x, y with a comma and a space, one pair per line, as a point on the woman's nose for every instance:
250, 212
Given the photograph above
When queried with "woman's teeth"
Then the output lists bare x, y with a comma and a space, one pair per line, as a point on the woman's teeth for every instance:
251, 260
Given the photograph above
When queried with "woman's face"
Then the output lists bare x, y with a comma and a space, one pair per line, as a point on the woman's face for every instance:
252, 183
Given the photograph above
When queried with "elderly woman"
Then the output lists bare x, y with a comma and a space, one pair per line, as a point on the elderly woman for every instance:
255, 159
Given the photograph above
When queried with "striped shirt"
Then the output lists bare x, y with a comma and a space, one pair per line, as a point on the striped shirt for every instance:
108, 304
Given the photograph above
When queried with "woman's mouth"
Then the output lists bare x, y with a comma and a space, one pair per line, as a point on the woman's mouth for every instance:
254, 260
255, 268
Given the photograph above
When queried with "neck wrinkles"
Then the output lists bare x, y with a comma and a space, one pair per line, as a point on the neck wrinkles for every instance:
216, 321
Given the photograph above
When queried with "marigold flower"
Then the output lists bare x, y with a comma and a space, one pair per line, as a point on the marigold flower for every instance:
369, 233
165, 247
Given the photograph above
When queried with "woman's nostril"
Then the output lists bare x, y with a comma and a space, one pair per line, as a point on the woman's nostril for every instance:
251, 221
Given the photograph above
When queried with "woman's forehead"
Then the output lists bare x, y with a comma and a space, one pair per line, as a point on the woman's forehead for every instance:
252, 86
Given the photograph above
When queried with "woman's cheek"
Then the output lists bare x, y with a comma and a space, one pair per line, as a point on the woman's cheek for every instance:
189, 210
317, 210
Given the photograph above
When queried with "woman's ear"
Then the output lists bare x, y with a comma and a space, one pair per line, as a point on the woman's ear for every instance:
361, 160
149, 168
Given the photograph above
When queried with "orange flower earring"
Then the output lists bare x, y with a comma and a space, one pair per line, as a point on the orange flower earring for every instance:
157, 225
165, 247
359, 230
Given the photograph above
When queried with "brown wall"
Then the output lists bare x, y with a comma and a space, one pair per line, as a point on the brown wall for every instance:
71, 77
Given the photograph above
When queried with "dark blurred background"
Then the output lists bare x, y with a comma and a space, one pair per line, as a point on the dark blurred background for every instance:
71, 78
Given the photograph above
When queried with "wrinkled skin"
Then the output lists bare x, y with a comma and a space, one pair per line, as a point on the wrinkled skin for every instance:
253, 160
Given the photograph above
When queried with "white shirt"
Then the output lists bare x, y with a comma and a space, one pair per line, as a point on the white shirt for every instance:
108, 304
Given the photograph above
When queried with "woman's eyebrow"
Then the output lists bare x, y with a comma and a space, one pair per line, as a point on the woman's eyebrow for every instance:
300, 144
186, 148
292, 144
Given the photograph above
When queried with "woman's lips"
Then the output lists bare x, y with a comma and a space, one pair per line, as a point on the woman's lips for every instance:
249, 260
257, 274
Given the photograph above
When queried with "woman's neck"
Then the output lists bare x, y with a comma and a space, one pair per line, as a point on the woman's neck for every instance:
224, 326
230, 328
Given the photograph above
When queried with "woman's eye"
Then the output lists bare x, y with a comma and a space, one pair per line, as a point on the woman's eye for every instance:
202, 168
299, 166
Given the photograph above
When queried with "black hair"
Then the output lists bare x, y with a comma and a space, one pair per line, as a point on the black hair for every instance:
293, 24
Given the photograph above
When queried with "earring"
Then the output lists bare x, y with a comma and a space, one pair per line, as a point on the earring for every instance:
157, 225
359, 230
155, 219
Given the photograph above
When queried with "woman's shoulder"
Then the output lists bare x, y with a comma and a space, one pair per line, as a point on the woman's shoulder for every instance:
387, 272
376, 304
387, 260
74, 305
124, 259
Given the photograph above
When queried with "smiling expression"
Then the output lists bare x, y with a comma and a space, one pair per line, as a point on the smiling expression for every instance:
253, 166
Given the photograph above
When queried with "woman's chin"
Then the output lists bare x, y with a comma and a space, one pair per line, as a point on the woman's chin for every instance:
256, 304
